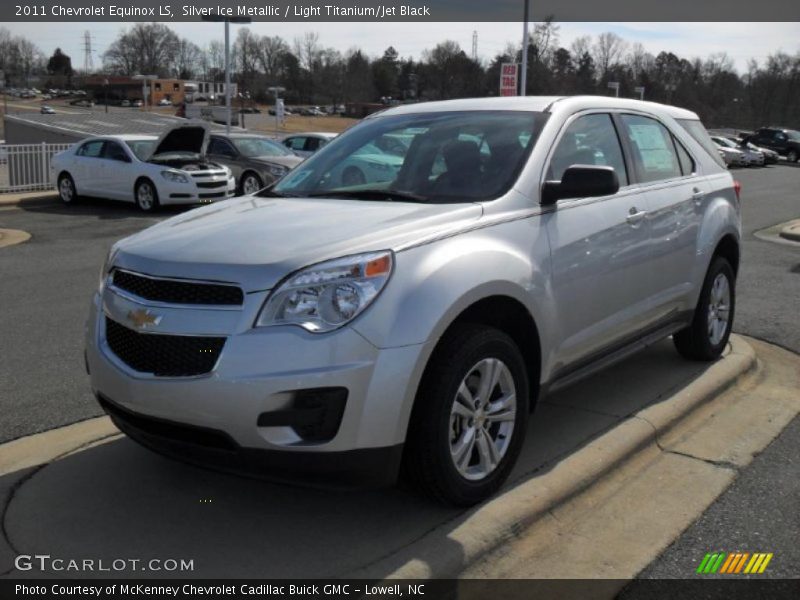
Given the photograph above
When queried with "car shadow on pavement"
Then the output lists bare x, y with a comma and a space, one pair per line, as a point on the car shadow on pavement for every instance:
102, 209
120, 501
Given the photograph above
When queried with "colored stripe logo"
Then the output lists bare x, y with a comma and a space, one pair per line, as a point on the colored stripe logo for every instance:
734, 563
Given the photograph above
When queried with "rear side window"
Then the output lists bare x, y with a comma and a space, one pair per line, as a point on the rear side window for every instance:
91, 149
687, 164
695, 129
312, 144
295, 143
653, 150
589, 140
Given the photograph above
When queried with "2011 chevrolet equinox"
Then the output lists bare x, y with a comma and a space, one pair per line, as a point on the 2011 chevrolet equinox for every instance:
500, 248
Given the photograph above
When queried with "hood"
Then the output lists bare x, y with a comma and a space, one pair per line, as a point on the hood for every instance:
255, 242
191, 137
290, 160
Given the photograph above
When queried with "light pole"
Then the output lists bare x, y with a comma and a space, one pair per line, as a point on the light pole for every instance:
144, 79
105, 92
276, 90
227, 20
523, 85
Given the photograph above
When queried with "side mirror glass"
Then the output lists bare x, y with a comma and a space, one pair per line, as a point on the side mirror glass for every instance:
581, 181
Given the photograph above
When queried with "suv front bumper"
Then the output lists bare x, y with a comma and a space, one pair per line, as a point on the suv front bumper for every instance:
223, 418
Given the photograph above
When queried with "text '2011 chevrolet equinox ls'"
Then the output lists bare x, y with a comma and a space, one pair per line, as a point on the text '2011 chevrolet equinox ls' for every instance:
498, 249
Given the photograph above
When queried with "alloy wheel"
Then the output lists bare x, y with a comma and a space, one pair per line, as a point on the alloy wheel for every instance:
250, 185
482, 419
719, 308
145, 196
66, 190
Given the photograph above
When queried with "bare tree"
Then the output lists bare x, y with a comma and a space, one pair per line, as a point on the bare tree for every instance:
145, 48
608, 51
270, 57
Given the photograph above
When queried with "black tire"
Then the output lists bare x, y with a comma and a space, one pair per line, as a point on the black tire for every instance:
353, 176
250, 178
65, 184
792, 156
427, 460
696, 342
140, 195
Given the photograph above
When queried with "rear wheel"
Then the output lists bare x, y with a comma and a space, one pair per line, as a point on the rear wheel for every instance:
706, 337
250, 184
66, 189
469, 417
146, 196
792, 156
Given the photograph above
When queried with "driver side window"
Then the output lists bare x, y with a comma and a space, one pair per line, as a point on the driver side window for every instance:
588, 140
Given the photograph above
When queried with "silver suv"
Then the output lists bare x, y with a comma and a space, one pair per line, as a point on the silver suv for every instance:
495, 250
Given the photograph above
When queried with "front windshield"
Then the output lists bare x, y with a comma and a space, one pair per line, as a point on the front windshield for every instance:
257, 146
793, 135
141, 148
425, 157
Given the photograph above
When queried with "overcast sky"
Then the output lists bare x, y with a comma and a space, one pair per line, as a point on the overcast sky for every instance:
742, 41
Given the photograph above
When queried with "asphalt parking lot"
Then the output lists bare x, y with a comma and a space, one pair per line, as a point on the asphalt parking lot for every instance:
46, 286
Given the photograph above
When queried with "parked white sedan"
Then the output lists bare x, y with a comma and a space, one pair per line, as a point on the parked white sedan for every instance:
147, 170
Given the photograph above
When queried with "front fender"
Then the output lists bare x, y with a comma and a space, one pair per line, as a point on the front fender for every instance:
433, 283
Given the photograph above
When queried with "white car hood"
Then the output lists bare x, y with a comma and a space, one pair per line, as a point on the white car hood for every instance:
191, 137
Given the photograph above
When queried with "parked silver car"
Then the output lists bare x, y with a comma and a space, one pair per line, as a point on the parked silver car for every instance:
332, 332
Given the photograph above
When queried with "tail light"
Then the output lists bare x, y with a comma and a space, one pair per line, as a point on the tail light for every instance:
737, 187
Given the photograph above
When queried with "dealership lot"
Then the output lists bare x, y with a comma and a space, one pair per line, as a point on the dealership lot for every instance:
233, 526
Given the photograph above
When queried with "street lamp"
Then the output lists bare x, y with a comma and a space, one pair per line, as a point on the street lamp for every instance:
144, 79
105, 92
227, 20
523, 85
277, 90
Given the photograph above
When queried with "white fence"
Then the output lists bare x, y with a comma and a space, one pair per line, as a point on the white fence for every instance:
26, 167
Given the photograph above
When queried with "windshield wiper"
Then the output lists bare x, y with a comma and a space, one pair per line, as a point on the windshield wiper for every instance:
371, 194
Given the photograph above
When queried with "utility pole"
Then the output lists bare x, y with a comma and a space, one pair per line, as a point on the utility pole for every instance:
523, 86
227, 20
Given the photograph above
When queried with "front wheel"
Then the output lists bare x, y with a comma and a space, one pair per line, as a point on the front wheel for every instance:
146, 196
792, 156
706, 337
469, 417
251, 183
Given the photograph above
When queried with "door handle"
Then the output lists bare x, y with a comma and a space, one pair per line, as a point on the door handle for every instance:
697, 195
635, 215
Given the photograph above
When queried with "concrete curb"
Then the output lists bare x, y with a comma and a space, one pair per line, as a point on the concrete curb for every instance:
791, 231
42, 448
491, 525
10, 237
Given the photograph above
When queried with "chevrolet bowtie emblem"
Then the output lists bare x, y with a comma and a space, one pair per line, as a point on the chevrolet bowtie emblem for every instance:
142, 318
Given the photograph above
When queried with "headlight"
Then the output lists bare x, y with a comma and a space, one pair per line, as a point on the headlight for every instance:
107, 265
329, 295
277, 170
175, 176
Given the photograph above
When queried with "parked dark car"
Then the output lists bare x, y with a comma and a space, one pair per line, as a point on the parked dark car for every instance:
256, 161
785, 142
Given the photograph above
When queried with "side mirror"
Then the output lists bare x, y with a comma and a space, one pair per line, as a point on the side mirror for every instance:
581, 181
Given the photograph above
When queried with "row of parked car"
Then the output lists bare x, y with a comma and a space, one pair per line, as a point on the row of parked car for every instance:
764, 147
186, 165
